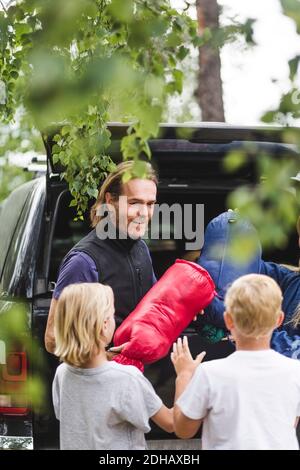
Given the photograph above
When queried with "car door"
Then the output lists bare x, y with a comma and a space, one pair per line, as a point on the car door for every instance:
21, 219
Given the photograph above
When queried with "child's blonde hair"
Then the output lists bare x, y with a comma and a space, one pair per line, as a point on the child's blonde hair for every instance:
254, 302
78, 322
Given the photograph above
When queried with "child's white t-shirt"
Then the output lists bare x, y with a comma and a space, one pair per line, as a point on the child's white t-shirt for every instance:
249, 400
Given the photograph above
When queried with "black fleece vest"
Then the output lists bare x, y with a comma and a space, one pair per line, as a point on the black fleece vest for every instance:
124, 265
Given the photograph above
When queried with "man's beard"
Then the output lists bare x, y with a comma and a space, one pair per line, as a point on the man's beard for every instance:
133, 227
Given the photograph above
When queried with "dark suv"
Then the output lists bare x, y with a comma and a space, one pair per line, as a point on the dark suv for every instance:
37, 229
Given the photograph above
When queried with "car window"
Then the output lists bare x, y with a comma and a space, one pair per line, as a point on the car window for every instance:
10, 212
19, 267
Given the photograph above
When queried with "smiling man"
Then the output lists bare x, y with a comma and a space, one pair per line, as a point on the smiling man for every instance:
113, 252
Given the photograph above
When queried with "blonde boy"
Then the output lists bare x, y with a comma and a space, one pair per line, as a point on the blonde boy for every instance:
100, 404
251, 399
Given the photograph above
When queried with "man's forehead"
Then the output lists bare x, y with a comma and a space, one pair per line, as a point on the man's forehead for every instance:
142, 189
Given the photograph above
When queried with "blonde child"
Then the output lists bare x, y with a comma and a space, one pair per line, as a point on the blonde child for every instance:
251, 399
100, 404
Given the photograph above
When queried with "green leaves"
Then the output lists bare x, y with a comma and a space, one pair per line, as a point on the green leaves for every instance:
122, 10
22, 29
81, 150
3, 30
131, 146
84, 63
139, 170
87, 62
175, 85
272, 206
291, 9
293, 65
234, 160
16, 334
122, 62
289, 107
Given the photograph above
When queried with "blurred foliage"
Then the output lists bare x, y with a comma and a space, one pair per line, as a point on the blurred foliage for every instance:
273, 205
20, 137
79, 64
292, 10
16, 334
83, 63
11, 177
229, 33
289, 106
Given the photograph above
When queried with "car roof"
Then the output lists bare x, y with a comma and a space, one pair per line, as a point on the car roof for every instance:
174, 137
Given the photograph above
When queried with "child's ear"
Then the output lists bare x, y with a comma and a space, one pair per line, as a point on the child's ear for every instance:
280, 319
228, 321
104, 328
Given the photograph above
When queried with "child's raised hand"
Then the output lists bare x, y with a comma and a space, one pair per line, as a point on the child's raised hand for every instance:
182, 359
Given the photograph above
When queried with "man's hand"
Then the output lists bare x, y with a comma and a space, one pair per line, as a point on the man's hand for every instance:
112, 352
182, 359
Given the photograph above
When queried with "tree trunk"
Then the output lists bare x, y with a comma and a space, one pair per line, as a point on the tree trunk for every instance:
209, 92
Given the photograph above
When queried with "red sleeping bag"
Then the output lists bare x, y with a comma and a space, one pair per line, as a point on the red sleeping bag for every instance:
163, 313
